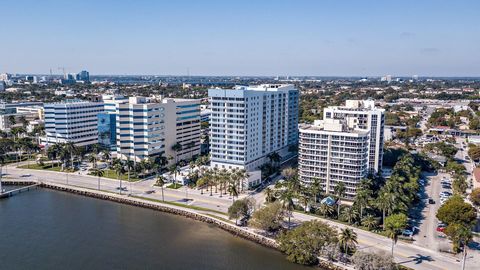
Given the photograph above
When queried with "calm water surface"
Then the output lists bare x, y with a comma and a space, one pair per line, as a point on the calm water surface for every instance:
44, 229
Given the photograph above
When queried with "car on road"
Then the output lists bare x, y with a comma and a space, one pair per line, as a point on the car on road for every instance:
149, 191
122, 188
431, 201
25, 175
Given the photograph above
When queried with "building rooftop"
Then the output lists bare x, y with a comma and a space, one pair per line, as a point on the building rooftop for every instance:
333, 125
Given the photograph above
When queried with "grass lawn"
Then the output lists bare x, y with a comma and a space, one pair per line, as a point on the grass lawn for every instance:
181, 205
173, 186
107, 173
47, 167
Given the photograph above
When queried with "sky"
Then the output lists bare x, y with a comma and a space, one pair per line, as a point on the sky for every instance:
262, 37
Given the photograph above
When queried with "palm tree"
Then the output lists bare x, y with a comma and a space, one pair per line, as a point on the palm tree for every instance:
362, 199
269, 195
160, 182
286, 198
274, 158
326, 210
12, 120
233, 190
339, 191
349, 214
99, 173
70, 149
174, 169
119, 170
316, 188
347, 239
370, 222
177, 147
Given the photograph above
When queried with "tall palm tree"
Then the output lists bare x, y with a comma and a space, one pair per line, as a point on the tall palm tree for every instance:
160, 182
347, 239
99, 173
316, 188
119, 170
174, 169
177, 147
286, 197
233, 190
339, 191
362, 199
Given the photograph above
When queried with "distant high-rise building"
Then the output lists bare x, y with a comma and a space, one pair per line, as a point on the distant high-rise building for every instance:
72, 121
364, 115
83, 76
249, 123
4, 77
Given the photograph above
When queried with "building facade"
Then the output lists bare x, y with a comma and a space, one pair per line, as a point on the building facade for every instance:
147, 127
72, 121
363, 114
333, 151
248, 123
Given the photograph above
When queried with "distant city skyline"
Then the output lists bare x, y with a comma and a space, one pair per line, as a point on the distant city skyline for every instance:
244, 38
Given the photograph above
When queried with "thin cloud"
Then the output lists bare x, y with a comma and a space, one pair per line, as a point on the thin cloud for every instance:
407, 34
431, 50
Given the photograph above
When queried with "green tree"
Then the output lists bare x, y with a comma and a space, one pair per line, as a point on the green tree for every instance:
459, 185
349, 214
394, 225
475, 197
456, 211
268, 218
160, 182
304, 243
240, 208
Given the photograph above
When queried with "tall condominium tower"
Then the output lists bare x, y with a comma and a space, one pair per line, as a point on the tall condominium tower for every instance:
147, 128
363, 114
72, 121
248, 123
333, 151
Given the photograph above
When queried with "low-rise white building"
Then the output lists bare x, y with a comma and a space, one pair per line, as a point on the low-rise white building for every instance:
71, 121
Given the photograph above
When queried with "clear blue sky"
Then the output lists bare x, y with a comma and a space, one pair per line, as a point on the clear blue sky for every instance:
365, 38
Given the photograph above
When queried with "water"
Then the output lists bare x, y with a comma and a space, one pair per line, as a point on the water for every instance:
44, 229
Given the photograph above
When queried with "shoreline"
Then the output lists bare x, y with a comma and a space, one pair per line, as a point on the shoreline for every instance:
171, 209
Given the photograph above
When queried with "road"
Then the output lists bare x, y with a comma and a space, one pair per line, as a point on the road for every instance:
411, 255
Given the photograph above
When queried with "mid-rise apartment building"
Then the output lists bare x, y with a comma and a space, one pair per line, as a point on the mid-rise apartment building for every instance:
363, 114
71, 121
249, 122
333, 151
147, 127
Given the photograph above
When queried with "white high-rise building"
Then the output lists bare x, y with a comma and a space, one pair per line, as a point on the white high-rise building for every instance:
333, 151
248, 123
71, 121
148, 127
363, 114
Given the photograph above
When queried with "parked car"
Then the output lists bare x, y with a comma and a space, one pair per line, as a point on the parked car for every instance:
431, 201
440, 229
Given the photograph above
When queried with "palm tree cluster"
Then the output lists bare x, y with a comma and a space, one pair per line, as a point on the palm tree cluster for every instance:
231, 181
